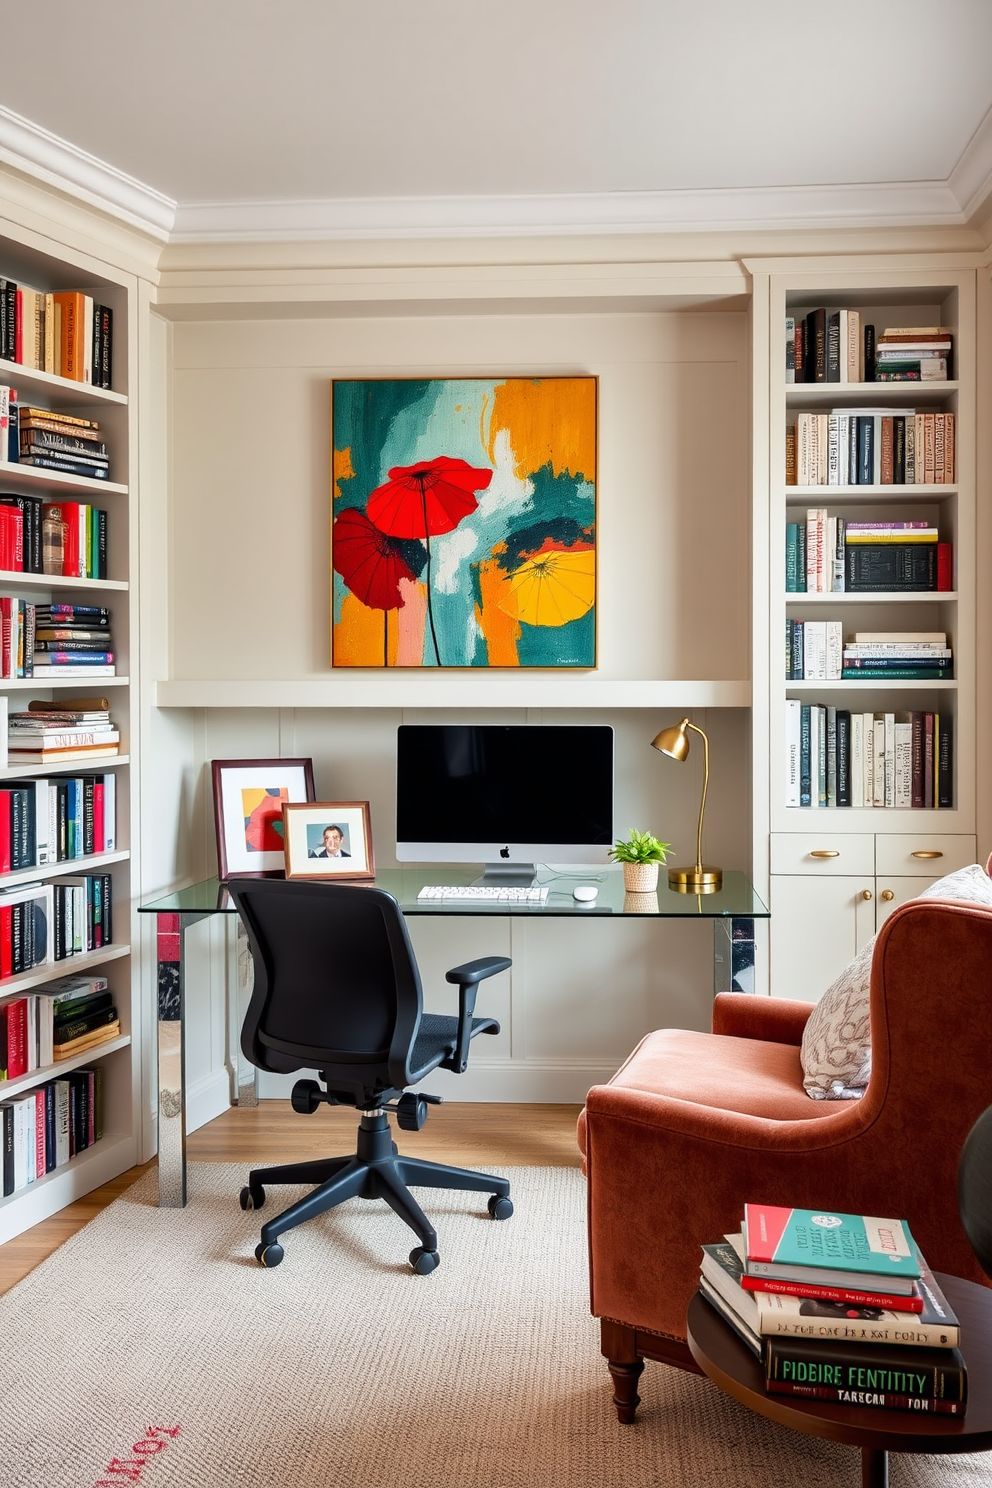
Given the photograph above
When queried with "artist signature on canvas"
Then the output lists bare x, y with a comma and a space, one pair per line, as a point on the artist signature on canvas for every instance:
129, 1469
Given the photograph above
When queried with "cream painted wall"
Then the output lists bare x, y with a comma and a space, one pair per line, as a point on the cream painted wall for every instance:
250, 587
249, 598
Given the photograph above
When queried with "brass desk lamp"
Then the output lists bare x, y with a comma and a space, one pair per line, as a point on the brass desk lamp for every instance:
701, 878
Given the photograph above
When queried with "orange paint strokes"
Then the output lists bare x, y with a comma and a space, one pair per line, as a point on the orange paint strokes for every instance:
343, 469
358, 636
551, 420
501, 631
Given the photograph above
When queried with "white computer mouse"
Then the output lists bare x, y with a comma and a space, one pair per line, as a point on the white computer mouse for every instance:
585, 893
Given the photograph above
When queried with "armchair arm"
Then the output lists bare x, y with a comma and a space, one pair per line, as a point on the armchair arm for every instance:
779, 1020
467, 977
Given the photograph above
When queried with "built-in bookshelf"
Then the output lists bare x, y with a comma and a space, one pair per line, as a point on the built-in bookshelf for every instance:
100, 507
851, 467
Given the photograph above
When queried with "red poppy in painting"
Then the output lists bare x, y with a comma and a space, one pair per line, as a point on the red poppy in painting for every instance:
426, 499
369, 561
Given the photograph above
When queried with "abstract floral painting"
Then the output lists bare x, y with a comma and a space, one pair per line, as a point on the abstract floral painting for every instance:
464, 522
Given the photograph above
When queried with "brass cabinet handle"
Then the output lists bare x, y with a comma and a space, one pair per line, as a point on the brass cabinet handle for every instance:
823, 852
888, 894
926, 854
866, 893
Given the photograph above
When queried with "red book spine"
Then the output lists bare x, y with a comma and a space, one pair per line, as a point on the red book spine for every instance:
19, 326
4, 831
17, 1038
6, 946
923, 1406
945, 567
99, 834
832, 1294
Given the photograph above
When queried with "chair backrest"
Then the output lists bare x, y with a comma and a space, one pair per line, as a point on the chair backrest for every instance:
336, 983
931, 991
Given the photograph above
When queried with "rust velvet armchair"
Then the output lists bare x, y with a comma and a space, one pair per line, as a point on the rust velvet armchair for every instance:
696, 1124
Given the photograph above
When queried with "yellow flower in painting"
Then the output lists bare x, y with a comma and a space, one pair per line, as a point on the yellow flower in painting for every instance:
553, 587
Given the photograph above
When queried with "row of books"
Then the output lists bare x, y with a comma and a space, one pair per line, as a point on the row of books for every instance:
52, 734
56, 821
42, 922
816, 652
828, 345
870, 447
67, 333
40, 1027
67, 539
836, 555
49, 440
838, 1307
839, 758
45, 1128
46, 641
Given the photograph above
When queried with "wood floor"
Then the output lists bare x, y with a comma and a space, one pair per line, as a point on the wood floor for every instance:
468, 1135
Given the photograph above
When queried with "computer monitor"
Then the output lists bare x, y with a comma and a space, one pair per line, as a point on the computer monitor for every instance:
505, 795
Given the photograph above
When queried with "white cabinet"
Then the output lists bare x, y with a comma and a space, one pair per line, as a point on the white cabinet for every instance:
831, 892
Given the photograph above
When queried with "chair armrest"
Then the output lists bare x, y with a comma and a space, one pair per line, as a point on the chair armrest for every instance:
778, 1020
468, 976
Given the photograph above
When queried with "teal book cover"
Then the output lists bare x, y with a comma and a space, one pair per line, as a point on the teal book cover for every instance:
842, 1242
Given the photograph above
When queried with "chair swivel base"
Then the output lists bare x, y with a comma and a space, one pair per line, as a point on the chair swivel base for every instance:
376, 1171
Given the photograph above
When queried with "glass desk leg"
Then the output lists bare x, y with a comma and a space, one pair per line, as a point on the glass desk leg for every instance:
733, 954
171, 936
246, 1076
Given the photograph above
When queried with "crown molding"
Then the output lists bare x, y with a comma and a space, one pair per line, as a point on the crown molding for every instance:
971, 178
45, 157
890, 204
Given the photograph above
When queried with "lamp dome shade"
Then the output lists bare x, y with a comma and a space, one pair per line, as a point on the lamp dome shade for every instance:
673, 741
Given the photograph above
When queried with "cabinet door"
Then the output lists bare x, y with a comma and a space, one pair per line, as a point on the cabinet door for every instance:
818, 925
891, 893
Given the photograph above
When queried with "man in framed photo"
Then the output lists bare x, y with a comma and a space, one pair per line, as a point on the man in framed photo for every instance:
333, 839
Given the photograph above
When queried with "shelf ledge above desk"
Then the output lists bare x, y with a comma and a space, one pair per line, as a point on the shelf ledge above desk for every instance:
418, 688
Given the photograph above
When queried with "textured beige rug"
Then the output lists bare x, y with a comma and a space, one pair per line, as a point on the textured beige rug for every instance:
153, 1350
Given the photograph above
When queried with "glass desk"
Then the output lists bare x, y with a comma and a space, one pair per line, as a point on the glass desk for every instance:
732, 910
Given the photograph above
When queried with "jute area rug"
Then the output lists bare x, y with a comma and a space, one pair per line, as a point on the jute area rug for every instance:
153, 1350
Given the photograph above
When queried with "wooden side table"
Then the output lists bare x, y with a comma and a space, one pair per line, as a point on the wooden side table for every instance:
722, 1356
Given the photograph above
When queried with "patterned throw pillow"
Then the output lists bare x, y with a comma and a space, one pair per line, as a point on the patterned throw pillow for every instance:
836, 1047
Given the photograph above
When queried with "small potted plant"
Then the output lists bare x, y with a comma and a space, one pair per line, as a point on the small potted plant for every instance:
640, 853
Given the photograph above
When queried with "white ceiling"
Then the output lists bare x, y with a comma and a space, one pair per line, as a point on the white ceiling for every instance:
320, 117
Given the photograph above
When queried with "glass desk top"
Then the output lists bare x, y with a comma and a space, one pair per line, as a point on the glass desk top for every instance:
735, 899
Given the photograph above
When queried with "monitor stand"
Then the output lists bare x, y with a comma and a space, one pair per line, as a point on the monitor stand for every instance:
504, 875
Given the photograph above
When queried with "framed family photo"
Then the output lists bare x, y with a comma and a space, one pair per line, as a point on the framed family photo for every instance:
248, 799
328, 839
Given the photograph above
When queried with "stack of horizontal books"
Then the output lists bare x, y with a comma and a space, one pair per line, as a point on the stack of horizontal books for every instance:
59, 735
838, 1307
913, 354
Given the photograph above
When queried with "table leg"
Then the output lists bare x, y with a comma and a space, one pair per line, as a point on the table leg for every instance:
171, 1064
874, 1468
733, 954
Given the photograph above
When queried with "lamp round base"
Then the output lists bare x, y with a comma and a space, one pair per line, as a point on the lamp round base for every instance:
695, 879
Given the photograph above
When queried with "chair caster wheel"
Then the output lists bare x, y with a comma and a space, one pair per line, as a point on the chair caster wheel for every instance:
252, 1196
500, 1206
424, 1261
268, 1255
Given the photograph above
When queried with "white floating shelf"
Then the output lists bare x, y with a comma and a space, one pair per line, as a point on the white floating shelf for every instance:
422, 689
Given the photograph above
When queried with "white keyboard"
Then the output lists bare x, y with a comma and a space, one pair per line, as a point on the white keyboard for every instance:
507, 894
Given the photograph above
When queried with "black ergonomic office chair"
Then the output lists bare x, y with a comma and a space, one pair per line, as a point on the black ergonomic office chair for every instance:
337, 990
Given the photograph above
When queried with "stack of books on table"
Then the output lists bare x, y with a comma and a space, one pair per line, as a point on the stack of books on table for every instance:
50, 735
72, 641
838, 1307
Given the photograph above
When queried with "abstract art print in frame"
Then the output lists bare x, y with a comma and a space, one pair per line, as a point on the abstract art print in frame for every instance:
248, 799
464, 522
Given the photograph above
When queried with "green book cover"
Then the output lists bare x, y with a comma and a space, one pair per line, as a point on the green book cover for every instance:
825, 1239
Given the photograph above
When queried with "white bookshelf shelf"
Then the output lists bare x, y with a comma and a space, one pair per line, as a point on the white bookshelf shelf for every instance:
61, 393
70, 767
48, 871
15, 579
64, 1066
847, 597
419, 689
12, 472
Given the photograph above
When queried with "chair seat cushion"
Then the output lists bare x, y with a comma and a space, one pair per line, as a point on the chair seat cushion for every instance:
750, 1076
437, 1038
